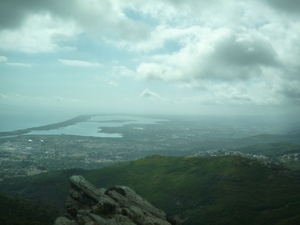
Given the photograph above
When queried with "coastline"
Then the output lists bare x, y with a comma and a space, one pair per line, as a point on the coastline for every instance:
65, 123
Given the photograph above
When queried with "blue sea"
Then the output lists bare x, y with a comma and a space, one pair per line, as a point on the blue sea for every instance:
91, 127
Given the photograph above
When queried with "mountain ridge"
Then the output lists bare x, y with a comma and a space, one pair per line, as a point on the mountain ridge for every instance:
222, 190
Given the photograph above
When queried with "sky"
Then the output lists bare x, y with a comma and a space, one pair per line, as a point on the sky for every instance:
230, 57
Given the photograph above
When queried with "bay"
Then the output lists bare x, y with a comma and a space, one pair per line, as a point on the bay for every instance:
91, 127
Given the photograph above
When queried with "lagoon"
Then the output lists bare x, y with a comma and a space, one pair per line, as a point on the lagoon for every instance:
92, 127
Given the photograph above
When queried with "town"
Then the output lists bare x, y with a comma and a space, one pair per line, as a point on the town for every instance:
26, 155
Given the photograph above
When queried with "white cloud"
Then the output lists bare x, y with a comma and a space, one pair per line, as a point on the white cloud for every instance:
3, 58
62, 99
218, 54
112, 83
224, 53
155, 71
19, 64
16, 95
67, 62
54, 22
122, 71
2, 95
39, 33
150, 95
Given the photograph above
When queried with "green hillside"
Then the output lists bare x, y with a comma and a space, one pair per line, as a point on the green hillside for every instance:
285, 154
214, 190
17, 211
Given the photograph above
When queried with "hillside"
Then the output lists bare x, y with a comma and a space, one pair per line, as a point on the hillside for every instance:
214, 190
17, 211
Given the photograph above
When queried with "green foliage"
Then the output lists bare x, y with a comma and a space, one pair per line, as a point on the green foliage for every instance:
215, 190
51, 187
276, 152
20, 211
212, 190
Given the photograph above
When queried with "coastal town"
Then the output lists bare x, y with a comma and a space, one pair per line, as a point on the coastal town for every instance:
26, 155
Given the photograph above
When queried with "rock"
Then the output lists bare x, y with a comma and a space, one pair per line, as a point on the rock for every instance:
117, 205
62, 221
97, 219
119, 219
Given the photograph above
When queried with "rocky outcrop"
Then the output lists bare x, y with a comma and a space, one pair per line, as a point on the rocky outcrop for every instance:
117, 205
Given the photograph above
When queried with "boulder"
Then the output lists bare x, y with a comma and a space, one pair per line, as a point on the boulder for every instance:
63, 221
87, 204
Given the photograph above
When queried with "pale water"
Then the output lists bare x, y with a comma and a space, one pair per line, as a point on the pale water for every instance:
91, 127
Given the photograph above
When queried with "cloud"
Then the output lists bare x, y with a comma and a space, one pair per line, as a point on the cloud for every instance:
127, 100
3, 96
288, 6
18, 11
211, 52
122, 71
156, 71
67, 62
244, 49
154, 97
112, 83
221, 54
62, 99
17, 95
290, 91
41, 26
3, 58
38, 33
19, 64
150, 95
237, 95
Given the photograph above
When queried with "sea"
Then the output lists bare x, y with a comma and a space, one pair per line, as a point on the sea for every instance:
91, 127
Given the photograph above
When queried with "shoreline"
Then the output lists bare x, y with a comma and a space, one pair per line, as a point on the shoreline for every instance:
65, 123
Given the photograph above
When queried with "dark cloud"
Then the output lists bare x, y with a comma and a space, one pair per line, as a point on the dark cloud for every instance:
291, 91
13, 13
235, 58
100, 16
233, 51
289, 6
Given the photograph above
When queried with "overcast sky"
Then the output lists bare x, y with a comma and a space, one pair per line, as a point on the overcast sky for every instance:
158, 56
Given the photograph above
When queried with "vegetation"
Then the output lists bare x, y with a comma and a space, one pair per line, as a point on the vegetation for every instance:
49, 187
286, 154
17, 211
194, 190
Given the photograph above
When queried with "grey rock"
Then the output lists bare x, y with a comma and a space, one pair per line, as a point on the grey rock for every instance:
90, 223
62, 221
117, 205
119, 219
98, 219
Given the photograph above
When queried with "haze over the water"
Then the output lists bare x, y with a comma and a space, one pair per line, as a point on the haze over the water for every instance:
231, 57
